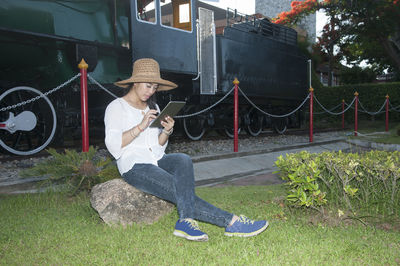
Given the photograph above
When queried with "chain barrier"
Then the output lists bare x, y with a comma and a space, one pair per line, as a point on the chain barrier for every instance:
208, 108
370, 134
40, 96
392, 108
372, 113
101, 86
277, 116
330, 110
178, 116
332, 113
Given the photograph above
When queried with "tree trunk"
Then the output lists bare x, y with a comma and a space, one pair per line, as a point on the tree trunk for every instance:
391, 51
330, 65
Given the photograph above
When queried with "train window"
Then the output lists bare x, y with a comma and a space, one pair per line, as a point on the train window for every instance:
177, 14
146, 10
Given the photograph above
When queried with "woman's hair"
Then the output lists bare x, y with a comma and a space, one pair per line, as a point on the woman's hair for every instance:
151, 102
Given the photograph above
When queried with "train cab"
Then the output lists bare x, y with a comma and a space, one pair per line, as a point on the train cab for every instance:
181, 37
165, 31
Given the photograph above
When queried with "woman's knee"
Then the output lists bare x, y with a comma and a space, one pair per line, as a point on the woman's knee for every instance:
184, 158
178, 159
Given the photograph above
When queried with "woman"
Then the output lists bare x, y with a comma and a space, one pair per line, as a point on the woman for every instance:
139, 151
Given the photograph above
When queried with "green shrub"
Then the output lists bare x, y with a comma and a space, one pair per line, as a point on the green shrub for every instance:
77, 171
368, 181
372, 96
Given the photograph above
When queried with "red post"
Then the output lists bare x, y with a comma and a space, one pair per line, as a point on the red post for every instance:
84, 106
342, 113
311, 113
387, 113
356, 115
235, 115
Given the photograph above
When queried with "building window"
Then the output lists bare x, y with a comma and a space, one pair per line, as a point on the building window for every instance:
146, 10
177, 14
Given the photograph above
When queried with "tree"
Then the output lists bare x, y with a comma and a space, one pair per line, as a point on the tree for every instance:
365, 29
356, 75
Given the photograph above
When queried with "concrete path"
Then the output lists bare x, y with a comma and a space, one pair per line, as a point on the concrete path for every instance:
242, 168
231, 166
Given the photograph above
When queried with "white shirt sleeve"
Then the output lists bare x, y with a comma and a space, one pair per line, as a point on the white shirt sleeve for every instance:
145, 148
114, 128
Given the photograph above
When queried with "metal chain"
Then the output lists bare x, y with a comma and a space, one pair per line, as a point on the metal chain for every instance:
101, 87
332, 113
277, 116
40, 96
396, 109
330, 110
372, 113
370, 134
208, 108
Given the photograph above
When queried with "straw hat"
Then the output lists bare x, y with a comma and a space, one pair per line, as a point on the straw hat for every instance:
147, 70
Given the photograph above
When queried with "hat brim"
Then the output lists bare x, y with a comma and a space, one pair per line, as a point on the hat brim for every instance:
163, 85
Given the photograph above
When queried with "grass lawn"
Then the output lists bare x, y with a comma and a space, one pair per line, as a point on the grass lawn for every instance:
364, 127
370, 127
53, 229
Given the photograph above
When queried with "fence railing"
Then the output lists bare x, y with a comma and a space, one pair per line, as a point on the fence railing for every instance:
236, 89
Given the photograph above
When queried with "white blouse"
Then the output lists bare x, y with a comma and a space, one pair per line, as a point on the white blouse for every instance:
119, 117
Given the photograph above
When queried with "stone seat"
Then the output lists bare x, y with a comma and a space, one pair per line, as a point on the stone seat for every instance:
117, 202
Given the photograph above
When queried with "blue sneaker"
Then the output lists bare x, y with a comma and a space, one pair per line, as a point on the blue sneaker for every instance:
244, 227
189, 229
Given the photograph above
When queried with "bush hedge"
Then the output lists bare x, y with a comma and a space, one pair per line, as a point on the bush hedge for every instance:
368, 181
372, 96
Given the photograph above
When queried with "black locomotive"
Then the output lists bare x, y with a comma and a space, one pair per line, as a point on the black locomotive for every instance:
42, 42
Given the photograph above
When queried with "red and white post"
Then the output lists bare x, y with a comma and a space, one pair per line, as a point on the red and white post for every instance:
311, 113
342, 113
356, 114
236, 115
387, 113
84, 106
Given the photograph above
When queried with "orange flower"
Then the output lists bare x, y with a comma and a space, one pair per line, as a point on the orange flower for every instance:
295, 3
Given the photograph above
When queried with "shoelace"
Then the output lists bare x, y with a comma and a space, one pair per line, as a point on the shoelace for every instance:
192, 223
243, 219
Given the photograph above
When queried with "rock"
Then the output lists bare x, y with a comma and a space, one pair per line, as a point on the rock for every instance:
117, 202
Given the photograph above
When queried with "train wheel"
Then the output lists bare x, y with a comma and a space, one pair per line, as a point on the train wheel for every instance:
228, 125
255, 123
194, 125
230, 132
280, 125
15, 136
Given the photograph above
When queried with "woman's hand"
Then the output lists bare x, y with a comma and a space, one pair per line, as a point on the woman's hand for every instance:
168, 123
148, 117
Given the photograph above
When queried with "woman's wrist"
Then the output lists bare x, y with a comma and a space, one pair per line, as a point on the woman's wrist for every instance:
168, 132
133, 135
140, 129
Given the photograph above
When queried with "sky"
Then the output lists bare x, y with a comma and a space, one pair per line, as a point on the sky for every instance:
248, 7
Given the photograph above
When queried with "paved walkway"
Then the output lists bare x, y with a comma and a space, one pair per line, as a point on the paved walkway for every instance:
256, 168
242, 168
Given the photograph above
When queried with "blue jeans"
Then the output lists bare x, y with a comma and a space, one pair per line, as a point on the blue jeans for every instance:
173, 180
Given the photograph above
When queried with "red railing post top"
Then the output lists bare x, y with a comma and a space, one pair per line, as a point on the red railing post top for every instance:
83, 64
311, 89
356, 94
342, 100
387, 96
236, 81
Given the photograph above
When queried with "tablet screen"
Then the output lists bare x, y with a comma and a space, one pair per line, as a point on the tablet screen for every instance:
172, 108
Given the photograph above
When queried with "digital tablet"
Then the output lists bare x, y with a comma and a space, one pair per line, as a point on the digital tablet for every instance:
172, 108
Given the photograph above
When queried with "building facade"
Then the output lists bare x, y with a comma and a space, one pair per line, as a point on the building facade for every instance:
271, 8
